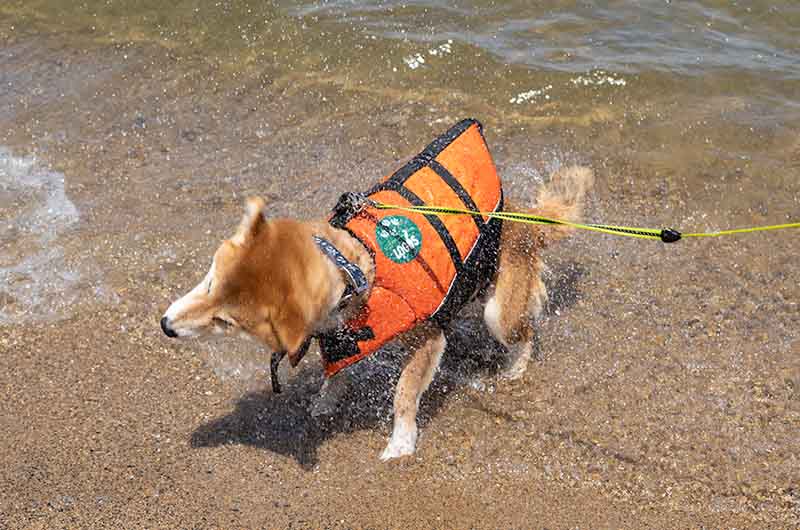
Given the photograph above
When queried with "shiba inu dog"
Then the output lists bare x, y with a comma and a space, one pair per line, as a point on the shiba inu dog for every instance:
367, 276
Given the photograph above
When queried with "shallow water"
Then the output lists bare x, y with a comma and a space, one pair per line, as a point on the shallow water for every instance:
39, 280
666, 386
715, 82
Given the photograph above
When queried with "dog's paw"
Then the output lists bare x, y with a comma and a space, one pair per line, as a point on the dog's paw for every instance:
515, 371
402, 443
519, 356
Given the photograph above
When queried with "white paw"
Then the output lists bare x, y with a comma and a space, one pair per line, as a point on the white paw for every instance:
402, 443
520, 355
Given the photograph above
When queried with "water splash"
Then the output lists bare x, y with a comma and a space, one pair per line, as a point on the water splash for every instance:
36, 281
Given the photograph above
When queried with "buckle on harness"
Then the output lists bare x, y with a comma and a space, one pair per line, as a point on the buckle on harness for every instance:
348, 206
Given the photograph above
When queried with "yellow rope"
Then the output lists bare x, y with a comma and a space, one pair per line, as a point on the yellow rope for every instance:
743, 230
666, 235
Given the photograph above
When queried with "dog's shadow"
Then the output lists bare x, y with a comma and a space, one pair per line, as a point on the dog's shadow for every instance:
283, 423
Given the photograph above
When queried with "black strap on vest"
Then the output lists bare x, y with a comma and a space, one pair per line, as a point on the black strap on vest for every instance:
342, 343
459, 190
434, 220
427, 158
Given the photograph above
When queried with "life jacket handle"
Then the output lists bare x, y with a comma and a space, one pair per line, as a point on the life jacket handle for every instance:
349, 205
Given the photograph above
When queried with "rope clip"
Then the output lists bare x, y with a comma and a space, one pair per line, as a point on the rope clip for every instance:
670, 235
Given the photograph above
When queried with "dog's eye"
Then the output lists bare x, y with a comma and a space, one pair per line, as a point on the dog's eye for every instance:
222, 322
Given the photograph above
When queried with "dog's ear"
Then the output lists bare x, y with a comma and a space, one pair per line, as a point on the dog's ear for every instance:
251, 222
291, 327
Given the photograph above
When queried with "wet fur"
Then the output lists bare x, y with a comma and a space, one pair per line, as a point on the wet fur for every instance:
271, 283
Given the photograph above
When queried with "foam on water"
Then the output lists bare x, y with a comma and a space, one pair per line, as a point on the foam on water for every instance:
598, 78
531, 95
36, 281
417, 60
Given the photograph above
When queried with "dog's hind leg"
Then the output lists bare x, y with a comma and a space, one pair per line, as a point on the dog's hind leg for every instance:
518, 297
519, 293
428, 343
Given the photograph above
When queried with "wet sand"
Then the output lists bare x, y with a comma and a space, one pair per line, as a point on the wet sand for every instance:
666, 393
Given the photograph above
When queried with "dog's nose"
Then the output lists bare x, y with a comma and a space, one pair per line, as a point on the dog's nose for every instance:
168, 331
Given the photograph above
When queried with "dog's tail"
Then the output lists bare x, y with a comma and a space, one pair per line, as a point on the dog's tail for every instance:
562, 198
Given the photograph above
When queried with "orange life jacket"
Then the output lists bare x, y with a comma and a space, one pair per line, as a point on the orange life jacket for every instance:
427, 267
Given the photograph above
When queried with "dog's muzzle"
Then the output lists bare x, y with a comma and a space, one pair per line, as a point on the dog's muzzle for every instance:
168, 331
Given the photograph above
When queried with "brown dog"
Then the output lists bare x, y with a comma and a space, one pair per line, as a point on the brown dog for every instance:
271, 282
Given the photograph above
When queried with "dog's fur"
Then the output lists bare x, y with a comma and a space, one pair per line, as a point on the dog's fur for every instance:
271, 282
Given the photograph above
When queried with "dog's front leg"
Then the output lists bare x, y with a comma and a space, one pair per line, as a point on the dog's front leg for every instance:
429, 343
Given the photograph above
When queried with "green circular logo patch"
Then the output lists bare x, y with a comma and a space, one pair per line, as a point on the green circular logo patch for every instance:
399, 238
